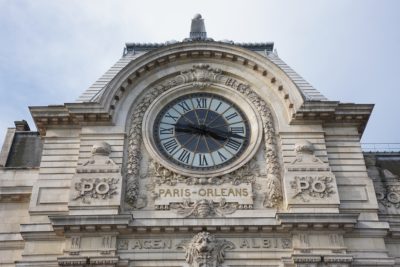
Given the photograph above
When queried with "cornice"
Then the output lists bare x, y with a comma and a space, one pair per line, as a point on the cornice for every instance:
69, 114
90, 223
334, 112
320, 221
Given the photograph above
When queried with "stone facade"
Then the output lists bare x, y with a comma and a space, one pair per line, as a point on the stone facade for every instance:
302, 195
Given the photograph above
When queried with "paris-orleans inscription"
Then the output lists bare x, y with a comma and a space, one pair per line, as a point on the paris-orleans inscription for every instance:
202, 197
241, 194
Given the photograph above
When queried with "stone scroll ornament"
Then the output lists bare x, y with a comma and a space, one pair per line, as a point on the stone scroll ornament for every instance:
204, 208
204, 250
201, 75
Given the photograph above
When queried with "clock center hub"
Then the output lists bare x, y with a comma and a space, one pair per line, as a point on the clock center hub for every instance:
201, 130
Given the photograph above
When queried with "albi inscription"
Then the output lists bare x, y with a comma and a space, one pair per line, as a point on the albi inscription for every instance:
267, 243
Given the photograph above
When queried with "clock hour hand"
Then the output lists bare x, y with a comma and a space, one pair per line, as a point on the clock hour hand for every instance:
216, 136
203, 130
224, 135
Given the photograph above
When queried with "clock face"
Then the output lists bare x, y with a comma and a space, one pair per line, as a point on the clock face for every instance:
201, 131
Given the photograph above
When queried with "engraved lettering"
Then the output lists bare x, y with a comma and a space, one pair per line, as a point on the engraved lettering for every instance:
184, 106
235, 145
237, 130
220, 103
167, 115
266, 243
166, 130
201, 102
102, 188
231, 116
136, 244
221, 156
170, 146
203, 160
244, 243
184, 156
255, 243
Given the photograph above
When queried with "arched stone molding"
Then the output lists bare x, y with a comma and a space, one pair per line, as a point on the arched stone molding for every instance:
201, 75
156, 61
122, 110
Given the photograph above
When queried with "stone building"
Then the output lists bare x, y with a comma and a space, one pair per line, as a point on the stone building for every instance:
198, 153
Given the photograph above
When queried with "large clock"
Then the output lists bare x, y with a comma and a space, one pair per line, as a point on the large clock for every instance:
202, 133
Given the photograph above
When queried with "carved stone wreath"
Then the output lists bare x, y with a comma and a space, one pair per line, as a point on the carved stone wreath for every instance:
202, 75
390, 196
96, 188
312, 186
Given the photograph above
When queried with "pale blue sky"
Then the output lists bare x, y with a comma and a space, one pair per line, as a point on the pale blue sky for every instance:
52, 50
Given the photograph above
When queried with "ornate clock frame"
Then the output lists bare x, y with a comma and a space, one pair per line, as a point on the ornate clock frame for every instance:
181, 90
199, 77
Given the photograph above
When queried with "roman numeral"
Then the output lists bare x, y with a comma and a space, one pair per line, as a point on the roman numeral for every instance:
167, 115
203, 160
235, 145
221, 156
170, 146
201, 102
184, 106
166, 130
237, 130
231, 116
184, 156
220, 103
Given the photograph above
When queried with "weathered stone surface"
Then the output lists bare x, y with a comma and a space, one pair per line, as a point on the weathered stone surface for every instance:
301, 194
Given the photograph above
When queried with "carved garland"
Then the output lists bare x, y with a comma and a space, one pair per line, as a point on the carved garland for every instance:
202, 75
96, 188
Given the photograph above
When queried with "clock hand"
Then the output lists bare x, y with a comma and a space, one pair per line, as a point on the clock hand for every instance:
204, 131
187, 128
216, 136
182, 128
224, 134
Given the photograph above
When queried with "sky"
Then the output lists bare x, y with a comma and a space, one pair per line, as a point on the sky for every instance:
53, 50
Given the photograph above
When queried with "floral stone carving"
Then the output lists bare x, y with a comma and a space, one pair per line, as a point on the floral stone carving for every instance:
204, 208
204, 250
390, 196
273, 195
199, 76
245, 174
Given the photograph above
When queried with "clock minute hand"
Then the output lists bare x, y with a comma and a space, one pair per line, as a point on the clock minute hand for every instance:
182, 128
186, 128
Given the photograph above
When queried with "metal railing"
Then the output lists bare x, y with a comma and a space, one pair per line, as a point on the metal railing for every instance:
380, 147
